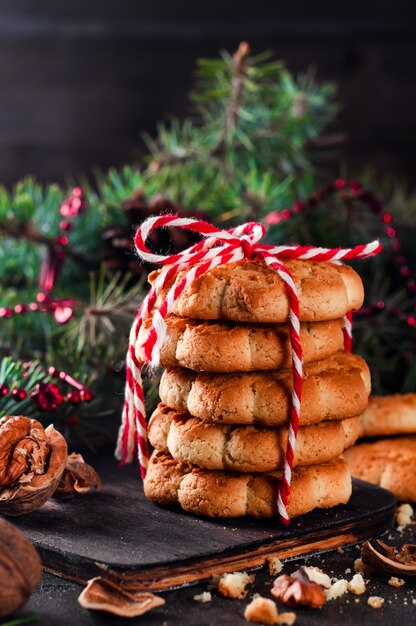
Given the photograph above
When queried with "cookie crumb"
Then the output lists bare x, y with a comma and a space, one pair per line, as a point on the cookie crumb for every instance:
356, 585
404, 515
316, 575
234, 585
337, 589
286, 619
348, 570
396, 582
375, 602
275, 565
261, 610
205, 596
340, 550
213, 583
361, 568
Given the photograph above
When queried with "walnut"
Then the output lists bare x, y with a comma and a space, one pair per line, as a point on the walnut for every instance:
298, 589
393, 561
31, 464
78, 477
393, 581
20, 568
101, 594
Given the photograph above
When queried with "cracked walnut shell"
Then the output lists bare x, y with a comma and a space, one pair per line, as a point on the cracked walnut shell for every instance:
32, 461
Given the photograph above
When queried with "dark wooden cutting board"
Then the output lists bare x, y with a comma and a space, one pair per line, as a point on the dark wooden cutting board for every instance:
117, 529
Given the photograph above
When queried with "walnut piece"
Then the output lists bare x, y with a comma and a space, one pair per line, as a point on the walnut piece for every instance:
394, 562
20, 568
78, 477
234, 585
31, 464
101, 594
298, 589
393, 581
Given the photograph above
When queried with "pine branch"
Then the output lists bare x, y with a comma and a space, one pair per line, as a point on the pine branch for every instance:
99, 331
19, 229
234, 104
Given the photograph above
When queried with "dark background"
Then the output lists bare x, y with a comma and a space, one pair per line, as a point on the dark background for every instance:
80, 80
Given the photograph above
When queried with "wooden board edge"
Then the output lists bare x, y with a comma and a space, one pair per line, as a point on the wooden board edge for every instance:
159, 578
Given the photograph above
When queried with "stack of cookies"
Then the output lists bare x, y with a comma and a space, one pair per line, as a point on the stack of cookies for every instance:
388, 457
220, 432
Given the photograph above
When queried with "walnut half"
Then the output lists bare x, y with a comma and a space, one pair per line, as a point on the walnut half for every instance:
393, 561
32, 461
101, 594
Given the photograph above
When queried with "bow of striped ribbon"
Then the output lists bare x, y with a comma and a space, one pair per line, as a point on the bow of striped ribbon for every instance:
217, 247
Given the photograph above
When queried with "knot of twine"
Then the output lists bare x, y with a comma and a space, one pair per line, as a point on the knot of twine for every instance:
218, 247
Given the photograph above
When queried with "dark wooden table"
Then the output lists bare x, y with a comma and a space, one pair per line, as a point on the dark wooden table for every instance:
55, 603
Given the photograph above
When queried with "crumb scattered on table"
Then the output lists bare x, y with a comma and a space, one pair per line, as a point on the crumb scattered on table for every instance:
234, 585
205, 596
376, 602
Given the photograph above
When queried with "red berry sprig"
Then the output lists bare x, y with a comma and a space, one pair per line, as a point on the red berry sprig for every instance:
62, 309
47, 396
376, 206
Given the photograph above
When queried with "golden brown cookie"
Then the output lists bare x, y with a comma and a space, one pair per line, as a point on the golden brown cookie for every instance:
389, 415
334, 388
389, 463
227, 494
250, 291
246, 448
229, 347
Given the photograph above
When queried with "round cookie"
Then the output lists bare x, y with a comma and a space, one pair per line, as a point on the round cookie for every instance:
246, 448
228, 347
334, 388
221, 494
251, 291
389, 463
389, 415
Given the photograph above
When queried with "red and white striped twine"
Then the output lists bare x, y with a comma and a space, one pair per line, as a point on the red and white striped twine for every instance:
218, 247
